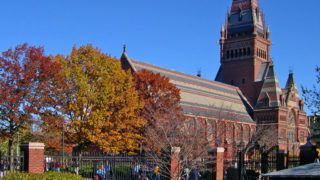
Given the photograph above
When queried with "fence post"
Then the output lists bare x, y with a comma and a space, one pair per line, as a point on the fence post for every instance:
219, 151
33, 157
175, 155
281, 159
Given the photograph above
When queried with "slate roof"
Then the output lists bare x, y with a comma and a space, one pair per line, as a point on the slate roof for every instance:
244, 16
305, 171
270, 91
200, 96
291, 88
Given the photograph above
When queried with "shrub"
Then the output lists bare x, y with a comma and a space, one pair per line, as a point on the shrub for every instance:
52, 175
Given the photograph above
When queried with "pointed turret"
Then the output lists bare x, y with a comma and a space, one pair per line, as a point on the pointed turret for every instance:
222, 32
245, 17
270, 91
291, 91
268, 33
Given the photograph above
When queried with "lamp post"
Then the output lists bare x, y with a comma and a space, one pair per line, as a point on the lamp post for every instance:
62, 143
241, 161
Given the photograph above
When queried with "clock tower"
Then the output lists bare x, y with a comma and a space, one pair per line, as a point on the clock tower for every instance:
245, 48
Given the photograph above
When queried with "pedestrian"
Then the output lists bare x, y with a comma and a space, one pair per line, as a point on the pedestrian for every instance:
101, 173
156, 173
194, 175
57, 165
136, 171
186, 173
108, 170
1, 169
76, 166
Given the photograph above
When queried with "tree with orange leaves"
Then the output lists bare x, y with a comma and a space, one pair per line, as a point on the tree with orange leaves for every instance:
102, 105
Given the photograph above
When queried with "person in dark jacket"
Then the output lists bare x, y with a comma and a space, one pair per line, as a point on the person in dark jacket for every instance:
194, 175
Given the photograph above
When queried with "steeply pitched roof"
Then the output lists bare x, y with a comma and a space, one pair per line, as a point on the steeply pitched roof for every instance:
244, 16
291, 88
271, 91
204, 97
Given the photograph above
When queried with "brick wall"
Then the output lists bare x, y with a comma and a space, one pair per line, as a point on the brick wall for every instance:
175, 163
33, 157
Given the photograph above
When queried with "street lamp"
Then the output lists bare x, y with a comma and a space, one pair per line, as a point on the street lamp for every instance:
62, 143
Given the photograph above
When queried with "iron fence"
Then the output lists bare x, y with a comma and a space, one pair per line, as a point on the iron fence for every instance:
120, 167
18, 164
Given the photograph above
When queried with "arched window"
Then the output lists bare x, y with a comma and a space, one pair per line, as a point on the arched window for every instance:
210, 130
229, 134
245, 134
239, 134
291, 127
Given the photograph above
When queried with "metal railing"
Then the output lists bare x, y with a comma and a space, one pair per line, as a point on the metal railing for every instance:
18, 164
120, 167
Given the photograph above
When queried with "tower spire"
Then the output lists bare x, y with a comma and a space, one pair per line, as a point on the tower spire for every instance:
245, 16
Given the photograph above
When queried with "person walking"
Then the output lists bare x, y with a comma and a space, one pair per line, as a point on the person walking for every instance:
156, 173
186, 173
194, 175
76, 166
101, 173
1, 169
57, 165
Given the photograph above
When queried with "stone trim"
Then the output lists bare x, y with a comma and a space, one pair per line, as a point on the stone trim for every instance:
175, 149
33, 145
220, 149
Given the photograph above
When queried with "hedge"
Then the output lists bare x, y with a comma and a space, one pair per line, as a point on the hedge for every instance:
52, 175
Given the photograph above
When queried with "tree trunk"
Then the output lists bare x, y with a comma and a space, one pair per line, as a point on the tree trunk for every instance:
11, 155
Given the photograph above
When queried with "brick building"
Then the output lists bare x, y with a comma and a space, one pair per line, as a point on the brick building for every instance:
246, 89
246, 63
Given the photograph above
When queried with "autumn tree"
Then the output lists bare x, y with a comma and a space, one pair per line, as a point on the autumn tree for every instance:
26, 76
168, 127
101, 105
160, 97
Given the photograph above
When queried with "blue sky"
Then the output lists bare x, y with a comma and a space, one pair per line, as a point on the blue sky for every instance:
176, 34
